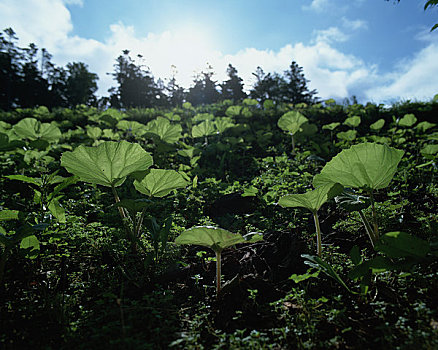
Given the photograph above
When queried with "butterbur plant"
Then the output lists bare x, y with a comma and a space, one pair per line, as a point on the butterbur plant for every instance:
216, 239
367, 166
292, 122
312, 200
110, 163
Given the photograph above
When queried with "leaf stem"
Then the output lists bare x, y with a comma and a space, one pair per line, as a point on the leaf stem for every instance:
218, 272
318, 234
373, 208
368, 228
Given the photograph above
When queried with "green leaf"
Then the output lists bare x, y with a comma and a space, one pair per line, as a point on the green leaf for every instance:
408, 120
312, 200
167, 132
31, 180
331, 126
349, 135
9, 215
206, 128
353, 122
318, 263
57, 211
32, 245
107, 164
367, 165
291, 122
356, 258
377, 125
94, 132
299, 278
212, 237
401, 245
352, 202
32, 129
223, 124
8, 145
423, 126
159, 182
131, 126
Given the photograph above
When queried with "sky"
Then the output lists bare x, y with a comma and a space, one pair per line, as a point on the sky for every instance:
379, 51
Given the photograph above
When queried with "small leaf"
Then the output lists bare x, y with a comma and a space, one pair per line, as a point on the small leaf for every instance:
212, 237
377, 125
31, 180
331, 126
312, 200
32, 245
352, 202
408, 120
57, 211
291, 122
159, 182
401, 245
353, 122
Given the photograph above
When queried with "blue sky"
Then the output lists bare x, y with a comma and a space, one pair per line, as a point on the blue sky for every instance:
377, 50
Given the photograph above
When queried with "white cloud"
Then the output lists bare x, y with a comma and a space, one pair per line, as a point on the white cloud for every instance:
332, 34
412, 79
331, 72
316, 5
74, 2
354, 24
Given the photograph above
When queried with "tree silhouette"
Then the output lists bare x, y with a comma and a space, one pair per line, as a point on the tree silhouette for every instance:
289, 88
204, 90
137, 87
80, 85
233, 87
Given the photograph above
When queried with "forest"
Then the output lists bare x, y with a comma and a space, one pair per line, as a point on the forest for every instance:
212, 217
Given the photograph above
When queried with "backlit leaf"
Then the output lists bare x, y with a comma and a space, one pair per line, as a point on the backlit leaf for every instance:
107, 164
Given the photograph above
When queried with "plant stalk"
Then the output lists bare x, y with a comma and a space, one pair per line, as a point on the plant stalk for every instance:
368, 228
318, 234
218, 272
293, 144
373, 208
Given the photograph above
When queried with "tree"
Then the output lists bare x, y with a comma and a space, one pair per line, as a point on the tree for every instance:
267, 86
232, 88
204, 90
175, 93
9, 69
289, 88
295, 88
137, 87
81, 85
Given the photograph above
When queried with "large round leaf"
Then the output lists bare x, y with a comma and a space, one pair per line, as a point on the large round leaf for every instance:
32, 129
367, 165
312, 200
206, 128
167, 132
159, 182
213, 237
291, 122
107, 164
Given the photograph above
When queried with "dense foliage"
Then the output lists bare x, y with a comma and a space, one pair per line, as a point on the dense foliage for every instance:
92, 202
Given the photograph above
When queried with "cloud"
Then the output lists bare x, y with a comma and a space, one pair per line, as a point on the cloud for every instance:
354, 24
316, 5
332, 34
412, 78
331, 72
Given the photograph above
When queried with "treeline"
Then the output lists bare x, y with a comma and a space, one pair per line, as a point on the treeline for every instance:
29, 79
